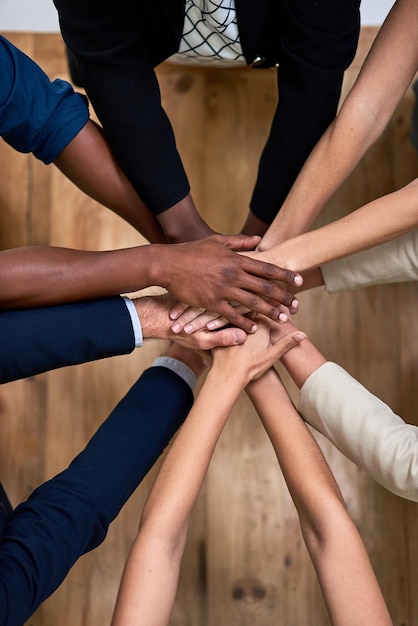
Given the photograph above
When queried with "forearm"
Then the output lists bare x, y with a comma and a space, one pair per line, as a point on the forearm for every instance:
377, 222
382, 82
348, 582
150, 579
39, 276
180, 479
89, 163
297, 453
350, 589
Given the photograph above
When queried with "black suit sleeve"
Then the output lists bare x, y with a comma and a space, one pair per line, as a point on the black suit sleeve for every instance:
38, 340
108, 43
318, 42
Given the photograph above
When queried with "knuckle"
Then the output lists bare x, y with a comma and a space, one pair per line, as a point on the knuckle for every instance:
268, 287
223, 340
287, 298
229, 273
270, 269
254, 302
274, 313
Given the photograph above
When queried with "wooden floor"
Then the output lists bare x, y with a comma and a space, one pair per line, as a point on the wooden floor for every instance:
245, 562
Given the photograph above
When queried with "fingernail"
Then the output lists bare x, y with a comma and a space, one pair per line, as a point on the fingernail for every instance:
298, 280
188, 328
300, 336
295, 303
173, 315
253, 328
211, 325
176, 328
239, 338
283, 317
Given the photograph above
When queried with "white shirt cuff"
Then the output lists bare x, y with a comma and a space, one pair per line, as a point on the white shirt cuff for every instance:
178, 367
136, 323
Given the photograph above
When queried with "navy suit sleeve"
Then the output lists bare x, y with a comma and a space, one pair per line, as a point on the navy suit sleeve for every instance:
108, 42
70, 514
37, 340
36, 115
319, 41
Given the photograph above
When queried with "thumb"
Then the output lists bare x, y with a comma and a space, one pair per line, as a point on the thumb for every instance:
241, 242
289, 341
230, 337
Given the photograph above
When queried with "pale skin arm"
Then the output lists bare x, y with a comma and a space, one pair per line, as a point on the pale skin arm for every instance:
384, 78
347, 580
150, 579
378, 221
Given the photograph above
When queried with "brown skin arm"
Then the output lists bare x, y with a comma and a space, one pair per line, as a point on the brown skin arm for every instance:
89, 163
205, 273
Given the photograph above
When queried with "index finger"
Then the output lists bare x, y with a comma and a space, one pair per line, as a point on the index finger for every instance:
263, 269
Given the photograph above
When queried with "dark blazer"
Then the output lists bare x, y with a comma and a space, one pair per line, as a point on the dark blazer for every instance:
41, 339
69, 514
117, 43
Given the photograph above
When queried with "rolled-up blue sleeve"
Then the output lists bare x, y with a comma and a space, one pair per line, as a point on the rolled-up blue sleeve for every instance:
36, 115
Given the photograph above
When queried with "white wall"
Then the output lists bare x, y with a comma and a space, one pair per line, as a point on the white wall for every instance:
40, 15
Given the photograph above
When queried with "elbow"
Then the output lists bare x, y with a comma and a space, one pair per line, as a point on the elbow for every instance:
365, 121
170, 539
320, 531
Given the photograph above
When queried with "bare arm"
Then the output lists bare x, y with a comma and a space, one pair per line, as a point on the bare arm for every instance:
347, 580
89, 163
150, 579
379, 221
205, 273
382, 82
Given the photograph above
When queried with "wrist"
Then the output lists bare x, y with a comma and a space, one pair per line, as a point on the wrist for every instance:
154, 317
159, 266
230, 371
260, 386
182, 222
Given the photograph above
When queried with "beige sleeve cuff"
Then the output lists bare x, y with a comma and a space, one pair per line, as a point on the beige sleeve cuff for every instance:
392, 262
363, 428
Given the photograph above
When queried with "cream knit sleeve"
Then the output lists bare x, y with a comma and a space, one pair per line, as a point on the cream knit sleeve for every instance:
363, 428
392, 262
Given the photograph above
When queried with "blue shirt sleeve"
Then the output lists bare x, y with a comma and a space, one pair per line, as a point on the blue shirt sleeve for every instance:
36, 115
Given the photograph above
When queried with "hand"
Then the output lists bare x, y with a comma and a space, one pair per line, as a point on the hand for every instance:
260, 351
190, 319
208, 274
153, 312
